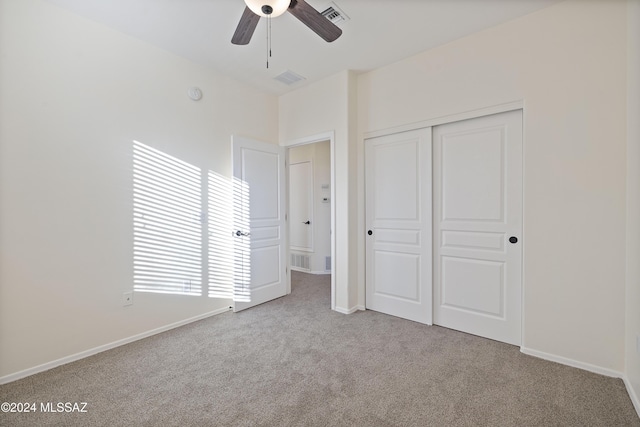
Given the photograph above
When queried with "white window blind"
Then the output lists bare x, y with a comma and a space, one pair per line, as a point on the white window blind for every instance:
167, 226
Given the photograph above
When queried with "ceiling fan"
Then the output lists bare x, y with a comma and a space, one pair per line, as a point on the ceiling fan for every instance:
256, 9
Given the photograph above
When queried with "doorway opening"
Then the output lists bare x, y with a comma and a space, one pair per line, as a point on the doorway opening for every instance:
311, 209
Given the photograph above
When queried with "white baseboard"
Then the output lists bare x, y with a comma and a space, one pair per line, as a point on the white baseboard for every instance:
632, 394
349, 310
302, 270
574, 363
72, 358
588, 367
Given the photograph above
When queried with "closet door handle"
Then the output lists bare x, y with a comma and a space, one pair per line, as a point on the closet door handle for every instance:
307, 222
369, 232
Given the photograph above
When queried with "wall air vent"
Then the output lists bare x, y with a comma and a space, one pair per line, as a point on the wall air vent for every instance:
289, 77
299, 262
334, 14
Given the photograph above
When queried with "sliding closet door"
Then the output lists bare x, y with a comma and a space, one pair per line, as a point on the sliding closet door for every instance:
398, 217
478, 226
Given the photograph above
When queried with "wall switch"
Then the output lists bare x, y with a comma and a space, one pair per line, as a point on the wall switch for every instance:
127, 298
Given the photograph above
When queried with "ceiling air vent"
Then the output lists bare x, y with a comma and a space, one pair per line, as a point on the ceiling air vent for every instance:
289, 77
334, 14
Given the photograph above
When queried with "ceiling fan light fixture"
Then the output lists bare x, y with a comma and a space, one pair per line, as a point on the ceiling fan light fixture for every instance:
260, 7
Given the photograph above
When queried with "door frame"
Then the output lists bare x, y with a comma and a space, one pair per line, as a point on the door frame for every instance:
471, 114
312, 139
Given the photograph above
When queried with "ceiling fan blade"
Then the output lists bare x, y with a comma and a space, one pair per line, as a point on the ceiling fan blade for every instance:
246, 27
314, 20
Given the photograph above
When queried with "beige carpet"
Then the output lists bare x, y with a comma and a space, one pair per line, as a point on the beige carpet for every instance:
294, 362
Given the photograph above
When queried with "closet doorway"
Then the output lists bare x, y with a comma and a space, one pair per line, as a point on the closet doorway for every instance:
470, 233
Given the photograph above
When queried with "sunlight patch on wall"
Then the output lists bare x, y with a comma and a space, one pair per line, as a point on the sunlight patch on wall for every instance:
229, 251
167, 244
241, 241
220, 246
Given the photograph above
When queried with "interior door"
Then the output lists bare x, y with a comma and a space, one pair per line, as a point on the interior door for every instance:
301, 206
398, 185
259, 222
478, 226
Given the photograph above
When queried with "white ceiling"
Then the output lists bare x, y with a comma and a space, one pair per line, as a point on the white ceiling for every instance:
378, 32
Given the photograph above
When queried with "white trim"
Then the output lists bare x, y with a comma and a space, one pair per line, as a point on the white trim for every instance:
633, 199
501, 108
588, 367
350, 310
299, 249
317, 272
632, 394
571, 362
324, 136
83, 354
523, 238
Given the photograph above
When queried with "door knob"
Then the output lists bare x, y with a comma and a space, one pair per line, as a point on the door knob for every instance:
513, 239
307, 222
241, 233
369, 232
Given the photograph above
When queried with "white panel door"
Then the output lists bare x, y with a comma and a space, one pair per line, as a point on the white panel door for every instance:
398, 217
301, 206
478, 226
259, 222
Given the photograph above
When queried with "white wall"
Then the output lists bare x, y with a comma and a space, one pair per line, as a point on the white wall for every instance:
568, 64
74, 96
328, 106
318, 154
633, 202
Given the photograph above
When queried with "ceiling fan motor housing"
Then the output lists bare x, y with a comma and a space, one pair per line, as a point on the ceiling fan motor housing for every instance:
264, 8
273, 8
